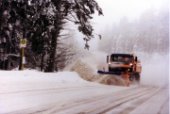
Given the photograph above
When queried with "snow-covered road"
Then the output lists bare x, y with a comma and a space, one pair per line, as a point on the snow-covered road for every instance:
28, 94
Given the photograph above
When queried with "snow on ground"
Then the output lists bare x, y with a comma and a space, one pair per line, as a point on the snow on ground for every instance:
21, 90
30, 91
18, 80
13, 82
32, 74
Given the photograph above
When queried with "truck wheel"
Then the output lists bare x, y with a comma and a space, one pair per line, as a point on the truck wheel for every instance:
131, 78
110, 69
137, 77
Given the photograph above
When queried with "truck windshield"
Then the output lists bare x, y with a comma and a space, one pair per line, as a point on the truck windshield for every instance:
121, 58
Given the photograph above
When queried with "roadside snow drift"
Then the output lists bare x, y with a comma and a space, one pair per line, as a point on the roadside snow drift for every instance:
25, 89
25, 92
22, 80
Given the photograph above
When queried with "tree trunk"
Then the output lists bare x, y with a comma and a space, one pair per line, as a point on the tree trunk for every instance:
51, 61
42, 61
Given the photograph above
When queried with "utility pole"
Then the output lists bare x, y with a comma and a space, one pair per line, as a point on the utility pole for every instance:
23, 43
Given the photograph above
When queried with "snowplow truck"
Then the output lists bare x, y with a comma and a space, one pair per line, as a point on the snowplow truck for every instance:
120, 63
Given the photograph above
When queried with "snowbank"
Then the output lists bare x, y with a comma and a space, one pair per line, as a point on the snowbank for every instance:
31, 75
32, 91
28, 79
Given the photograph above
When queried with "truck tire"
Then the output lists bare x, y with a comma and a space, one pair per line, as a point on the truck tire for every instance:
137, 77
132, 77
110, 69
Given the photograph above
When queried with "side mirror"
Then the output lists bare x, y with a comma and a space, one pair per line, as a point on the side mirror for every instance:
136, 59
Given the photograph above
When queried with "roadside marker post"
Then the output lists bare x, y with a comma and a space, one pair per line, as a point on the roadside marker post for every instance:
23, 43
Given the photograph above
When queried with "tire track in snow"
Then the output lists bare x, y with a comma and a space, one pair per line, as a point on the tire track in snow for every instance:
119, 102
46, 109
100, 104
127, 107
47, 89
155, 104
164, 105
86, 106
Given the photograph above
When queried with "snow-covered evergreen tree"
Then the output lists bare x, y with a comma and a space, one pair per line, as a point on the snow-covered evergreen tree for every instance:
41, 23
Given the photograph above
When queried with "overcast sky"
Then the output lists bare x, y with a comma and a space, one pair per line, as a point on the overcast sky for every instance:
114, 10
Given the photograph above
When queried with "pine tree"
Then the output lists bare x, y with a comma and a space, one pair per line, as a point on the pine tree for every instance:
41, 23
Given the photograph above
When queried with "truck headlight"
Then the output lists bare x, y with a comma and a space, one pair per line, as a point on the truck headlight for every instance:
130, 64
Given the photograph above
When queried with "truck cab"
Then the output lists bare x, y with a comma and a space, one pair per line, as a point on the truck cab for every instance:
120, 63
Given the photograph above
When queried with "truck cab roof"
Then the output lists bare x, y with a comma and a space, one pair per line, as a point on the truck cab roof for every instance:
121, 54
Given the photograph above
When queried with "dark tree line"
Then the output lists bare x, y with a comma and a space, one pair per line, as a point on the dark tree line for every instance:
41, 23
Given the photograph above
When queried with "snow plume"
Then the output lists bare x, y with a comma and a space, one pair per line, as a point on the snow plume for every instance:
155, 70
88, 65
97, 60
94, 59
